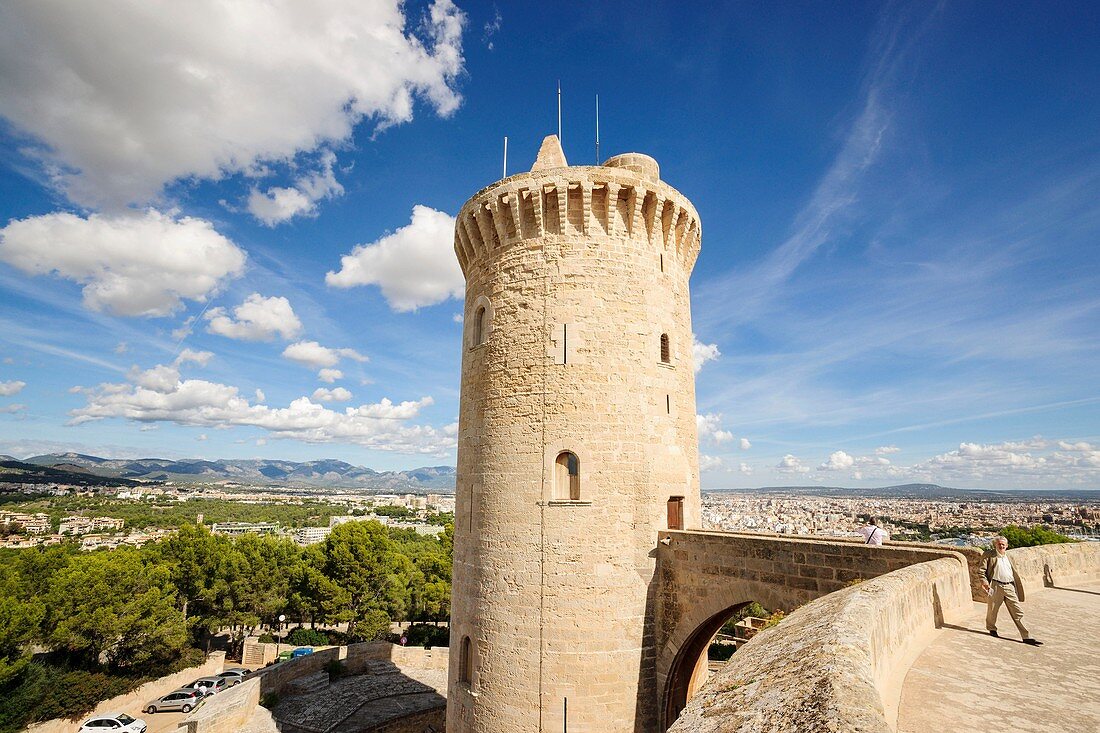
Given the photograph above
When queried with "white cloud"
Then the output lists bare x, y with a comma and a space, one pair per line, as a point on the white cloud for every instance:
415, 266
133, 94
256, 319
185, 329
838, 461
791, 464
132, 264
702, 353
709, 463
329, 376
200, 437
7, 389
200, 403
457, 318
161, 378
1034, 463
886, 450
710, 429
260, 396
12, 408
745, 444
745, 469
312, 354
324, 394
279, 204
121, 347
190, 356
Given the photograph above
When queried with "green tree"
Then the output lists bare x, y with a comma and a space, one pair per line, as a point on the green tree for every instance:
362, 560
110, 604
20, 618
1037, 535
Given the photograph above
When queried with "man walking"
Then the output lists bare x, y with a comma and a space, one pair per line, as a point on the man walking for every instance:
1003, 585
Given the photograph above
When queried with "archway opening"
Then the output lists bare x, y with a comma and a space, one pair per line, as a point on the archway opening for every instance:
708, 648
567, 478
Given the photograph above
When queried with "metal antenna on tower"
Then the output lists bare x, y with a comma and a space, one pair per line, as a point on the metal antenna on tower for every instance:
505, 174
597, 129
559, 110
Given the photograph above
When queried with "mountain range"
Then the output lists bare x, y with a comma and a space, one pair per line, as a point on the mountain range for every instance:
324, 473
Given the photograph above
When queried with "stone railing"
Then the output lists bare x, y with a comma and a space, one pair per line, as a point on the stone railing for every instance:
226, 712
837, 664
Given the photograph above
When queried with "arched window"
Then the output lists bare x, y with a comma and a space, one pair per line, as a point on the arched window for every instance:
567, 477
666, 352
466, 662
481, 331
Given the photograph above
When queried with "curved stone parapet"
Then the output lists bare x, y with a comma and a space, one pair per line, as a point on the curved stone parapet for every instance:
838, 662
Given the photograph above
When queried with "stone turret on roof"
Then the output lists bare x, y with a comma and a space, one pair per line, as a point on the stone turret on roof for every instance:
550, 154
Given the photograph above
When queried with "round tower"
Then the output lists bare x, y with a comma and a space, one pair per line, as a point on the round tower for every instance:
577, 442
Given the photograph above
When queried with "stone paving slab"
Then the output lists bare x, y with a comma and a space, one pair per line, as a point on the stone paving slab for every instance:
968, 681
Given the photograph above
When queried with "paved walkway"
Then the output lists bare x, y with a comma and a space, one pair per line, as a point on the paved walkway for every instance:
968, 681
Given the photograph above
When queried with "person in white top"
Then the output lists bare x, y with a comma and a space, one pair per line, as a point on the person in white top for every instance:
874, 534
1003, 585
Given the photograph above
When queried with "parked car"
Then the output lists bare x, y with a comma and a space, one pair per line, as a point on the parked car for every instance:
301, 652
234, 675
114, 722
207, 685
184, 700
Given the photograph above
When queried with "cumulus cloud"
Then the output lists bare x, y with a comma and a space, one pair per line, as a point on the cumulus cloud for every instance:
702, 353
329, 376
414, 266
710, 429
132, 264
745, 469
745, 444
200, 403
7, 389
324, 394
312, 354
279, 204
1033, 463
709, 463
886, 450
12, 408
128, 95
256, 319
792, 465
190, 356
838, 461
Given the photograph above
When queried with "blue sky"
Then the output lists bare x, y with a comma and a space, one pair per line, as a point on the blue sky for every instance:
226, 231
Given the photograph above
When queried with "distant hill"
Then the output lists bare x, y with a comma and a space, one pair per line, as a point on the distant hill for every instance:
924, 491
324, 473
20, 472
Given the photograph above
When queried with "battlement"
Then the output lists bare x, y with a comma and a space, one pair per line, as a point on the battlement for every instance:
622, 198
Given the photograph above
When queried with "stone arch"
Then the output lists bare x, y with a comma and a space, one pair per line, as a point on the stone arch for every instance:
685, 677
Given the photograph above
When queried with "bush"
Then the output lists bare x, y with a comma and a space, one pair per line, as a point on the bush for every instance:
266, 639
335, 669
307, 637
425, 635
720, 652
34, 696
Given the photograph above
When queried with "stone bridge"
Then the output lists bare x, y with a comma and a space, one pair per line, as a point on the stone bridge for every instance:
704, 577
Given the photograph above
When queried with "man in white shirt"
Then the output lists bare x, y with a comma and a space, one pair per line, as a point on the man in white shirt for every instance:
874, 534
1003, 585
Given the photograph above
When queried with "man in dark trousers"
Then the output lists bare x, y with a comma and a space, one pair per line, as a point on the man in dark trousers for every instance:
1003, 585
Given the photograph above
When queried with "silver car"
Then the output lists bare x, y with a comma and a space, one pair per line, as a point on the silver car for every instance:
183, 700
206, 685
234, 675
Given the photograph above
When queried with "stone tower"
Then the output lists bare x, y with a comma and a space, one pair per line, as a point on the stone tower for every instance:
577, 442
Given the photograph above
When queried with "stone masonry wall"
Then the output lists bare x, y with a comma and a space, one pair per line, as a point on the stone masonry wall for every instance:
703, 576
835, 663
578, 272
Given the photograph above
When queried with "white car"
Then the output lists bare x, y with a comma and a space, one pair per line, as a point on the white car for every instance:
113, 722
